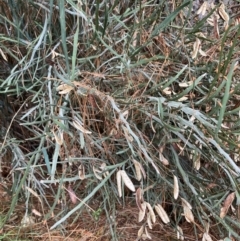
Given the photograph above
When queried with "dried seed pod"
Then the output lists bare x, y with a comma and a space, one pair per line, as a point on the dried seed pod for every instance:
119, 183
127, 181
152, 214
139, 198
149, 221
162, 213
81, 172
140, 231
72, 194
175, 188
142, 212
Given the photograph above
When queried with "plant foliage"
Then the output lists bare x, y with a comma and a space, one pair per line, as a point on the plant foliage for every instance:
97, 97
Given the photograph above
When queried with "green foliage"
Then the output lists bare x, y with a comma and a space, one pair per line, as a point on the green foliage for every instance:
93, 86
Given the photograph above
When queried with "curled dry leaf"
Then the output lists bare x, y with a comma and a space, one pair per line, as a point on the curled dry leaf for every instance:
175, 188
151, 212
142, 212
162, 213
227, 204
81, 172
119, 183
127, 181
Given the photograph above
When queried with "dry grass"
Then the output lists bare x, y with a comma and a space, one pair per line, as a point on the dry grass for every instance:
91, 91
